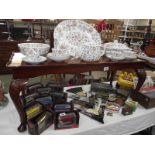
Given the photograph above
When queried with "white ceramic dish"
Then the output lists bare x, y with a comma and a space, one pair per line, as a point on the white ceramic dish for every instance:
30, 60
28, 49
57, 57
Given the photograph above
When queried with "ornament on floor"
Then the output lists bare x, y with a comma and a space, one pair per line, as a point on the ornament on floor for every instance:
3, 99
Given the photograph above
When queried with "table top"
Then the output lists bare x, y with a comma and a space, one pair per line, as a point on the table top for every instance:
103, 61
73, 67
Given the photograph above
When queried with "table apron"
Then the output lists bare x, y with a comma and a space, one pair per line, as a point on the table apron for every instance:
27, 72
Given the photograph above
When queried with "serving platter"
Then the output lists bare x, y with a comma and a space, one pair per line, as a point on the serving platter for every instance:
72, 34
76, 25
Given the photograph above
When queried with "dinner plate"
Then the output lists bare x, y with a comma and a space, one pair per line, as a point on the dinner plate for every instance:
29, 60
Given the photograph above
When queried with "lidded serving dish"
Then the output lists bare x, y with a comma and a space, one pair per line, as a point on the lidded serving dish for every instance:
118, 51
115, 46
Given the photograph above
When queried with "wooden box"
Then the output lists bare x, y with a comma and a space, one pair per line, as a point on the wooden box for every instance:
147, 98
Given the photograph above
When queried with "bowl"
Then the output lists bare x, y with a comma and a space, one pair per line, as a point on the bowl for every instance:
57, 57
28, 49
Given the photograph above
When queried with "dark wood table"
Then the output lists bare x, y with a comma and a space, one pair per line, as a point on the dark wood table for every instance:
6, 48
22, 73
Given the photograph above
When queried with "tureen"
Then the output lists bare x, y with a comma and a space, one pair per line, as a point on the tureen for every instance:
118, 51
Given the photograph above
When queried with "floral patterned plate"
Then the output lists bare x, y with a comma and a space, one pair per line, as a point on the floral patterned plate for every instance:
72, 34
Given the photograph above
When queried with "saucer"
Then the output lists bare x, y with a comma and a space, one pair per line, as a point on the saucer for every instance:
29, 60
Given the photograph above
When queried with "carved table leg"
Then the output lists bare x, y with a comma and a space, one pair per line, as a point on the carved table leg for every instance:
16, 87
141, 78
